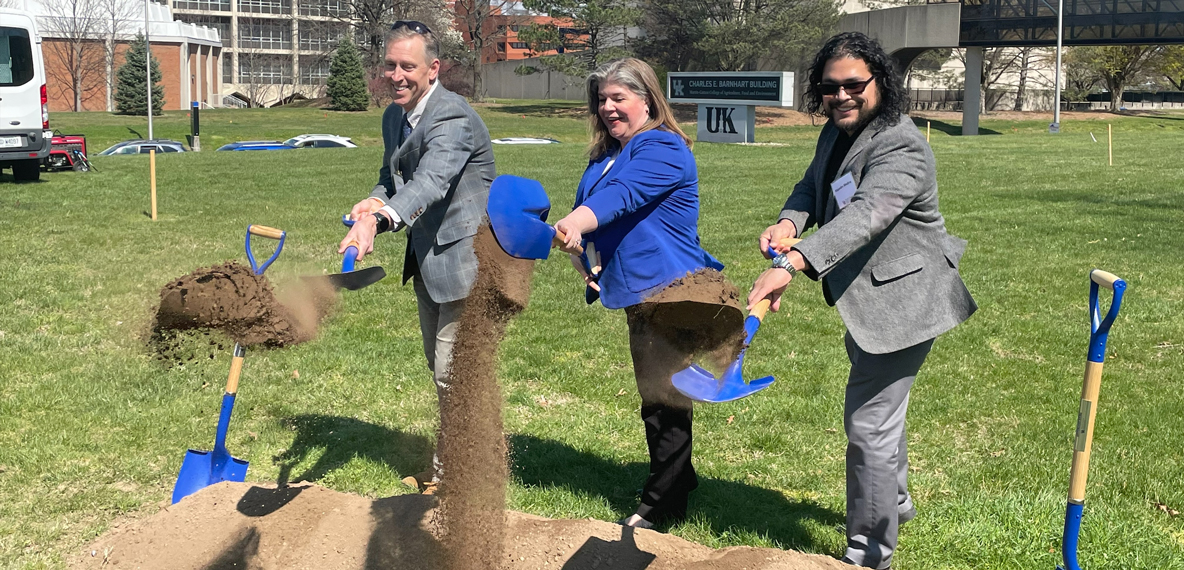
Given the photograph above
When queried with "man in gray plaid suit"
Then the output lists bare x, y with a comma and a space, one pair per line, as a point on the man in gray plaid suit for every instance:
885, 261
435, 183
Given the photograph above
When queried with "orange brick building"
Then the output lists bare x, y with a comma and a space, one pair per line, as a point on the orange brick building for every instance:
502, 28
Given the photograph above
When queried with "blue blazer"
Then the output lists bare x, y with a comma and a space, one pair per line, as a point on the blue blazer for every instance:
647, 208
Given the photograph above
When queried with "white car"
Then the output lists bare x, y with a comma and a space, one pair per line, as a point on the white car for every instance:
320, 141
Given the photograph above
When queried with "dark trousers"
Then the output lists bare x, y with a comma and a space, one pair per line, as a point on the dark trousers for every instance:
667, 416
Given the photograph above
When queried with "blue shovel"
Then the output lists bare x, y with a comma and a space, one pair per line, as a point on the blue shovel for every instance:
518, 209
201, 469
1099, 331
701, 385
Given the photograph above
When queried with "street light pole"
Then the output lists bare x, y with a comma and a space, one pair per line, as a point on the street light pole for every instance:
1055, 127
148, 66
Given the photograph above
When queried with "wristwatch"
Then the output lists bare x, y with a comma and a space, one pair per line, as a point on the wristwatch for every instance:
782, 261
382, 222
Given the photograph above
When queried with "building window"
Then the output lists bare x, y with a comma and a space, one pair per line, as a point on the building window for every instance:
513, 28
519, 45
211, 5
323, 7
314, 69
220, 23
319, 36
264, 34
264, 69
227, 69
501, 47
265, 6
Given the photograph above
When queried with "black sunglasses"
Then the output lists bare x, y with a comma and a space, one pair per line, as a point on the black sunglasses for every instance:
417, 27
851, 87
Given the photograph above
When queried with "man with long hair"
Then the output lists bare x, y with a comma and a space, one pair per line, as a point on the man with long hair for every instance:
886, 263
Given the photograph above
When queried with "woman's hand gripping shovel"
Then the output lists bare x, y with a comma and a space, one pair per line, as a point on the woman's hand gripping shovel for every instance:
1099, 331
201, 469
701, 385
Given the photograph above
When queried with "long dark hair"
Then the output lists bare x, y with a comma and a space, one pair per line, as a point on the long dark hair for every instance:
894, 98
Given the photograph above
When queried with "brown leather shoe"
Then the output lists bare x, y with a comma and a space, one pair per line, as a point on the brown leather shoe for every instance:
424, 481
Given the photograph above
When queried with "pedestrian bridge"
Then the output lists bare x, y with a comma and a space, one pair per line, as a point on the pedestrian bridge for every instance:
908, 31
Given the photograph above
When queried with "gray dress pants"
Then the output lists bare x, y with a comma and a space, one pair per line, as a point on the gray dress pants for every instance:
877, 454
437, 324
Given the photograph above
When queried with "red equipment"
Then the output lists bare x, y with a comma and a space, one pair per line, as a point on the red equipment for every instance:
67, 152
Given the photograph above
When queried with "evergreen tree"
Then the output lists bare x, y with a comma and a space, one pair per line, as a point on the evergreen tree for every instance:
347, 80
130, 94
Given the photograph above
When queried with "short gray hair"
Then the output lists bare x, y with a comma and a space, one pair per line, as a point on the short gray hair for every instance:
621, 72
431, 45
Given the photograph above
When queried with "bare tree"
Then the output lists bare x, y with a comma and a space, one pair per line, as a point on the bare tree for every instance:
76, 27
119, 19
475, 22
998, 65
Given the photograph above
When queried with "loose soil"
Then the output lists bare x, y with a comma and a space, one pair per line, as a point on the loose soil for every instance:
247, 526
699, 313
230, 298
473, 453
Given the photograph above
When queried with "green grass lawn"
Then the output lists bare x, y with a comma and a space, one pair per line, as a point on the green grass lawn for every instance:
93, 428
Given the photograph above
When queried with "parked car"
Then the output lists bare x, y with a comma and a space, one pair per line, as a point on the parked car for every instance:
25, 137
141, 146
256, 145
320, 141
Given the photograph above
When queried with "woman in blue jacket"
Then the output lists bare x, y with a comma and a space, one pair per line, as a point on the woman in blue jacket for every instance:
638, 204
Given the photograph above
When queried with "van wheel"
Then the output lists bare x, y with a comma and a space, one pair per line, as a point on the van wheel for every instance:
26, 170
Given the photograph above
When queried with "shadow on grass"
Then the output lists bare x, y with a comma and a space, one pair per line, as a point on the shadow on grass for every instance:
727, 506
344, 439
947, 128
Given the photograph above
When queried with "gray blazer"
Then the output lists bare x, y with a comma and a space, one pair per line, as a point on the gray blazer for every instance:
886, 261
441, 177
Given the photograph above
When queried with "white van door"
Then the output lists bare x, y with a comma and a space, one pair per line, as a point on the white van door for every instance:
20, 95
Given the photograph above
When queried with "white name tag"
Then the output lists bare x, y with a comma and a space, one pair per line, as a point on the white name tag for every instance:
843, 189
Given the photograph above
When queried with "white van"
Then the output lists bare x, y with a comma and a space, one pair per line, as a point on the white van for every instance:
24, 109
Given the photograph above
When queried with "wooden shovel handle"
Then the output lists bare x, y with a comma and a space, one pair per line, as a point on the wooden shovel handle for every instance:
559, 239
788, 242
1104, 278
760, 308
236, 368
265, 231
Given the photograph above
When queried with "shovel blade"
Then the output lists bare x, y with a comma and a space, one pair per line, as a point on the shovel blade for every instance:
350, 281
518, 209
701, 386
198, 472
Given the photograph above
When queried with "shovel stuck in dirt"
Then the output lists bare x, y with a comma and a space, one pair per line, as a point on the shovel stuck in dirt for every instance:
700, 385
201, 469
204, 468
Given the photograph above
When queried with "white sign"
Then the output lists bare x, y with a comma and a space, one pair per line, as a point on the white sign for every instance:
726, 123
844, 189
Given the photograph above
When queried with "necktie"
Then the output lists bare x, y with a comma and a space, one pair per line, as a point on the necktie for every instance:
406, 127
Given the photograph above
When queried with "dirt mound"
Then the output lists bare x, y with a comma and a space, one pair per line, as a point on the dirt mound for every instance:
473, 488
232, 299
246, 526
699, 313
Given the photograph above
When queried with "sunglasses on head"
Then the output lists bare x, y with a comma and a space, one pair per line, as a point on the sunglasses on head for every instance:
417, 27
851, 87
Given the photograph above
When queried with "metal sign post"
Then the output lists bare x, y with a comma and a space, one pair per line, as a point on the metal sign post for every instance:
148, 67
1055, 127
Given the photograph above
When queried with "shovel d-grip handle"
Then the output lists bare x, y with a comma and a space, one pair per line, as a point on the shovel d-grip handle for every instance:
267, 232
1087, 409
351, 251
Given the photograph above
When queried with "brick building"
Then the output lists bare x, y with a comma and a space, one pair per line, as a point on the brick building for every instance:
502, 27
75, 49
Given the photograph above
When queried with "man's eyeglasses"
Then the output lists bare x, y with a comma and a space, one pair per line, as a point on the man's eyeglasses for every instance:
417, 27
851, 87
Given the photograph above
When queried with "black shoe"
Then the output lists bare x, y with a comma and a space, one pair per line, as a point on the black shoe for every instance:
907, 516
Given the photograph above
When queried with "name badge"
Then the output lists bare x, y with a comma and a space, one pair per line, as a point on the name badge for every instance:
843, 189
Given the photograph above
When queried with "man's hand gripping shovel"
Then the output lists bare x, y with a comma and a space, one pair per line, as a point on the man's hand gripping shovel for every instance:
701, 385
